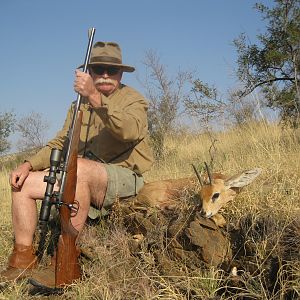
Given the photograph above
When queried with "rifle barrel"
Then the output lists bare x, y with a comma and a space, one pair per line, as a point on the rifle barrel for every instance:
78, 101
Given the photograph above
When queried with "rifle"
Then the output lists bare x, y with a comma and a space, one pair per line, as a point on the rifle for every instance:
67, 267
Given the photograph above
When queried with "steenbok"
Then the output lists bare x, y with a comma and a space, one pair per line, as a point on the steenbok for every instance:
215, 191
221, 189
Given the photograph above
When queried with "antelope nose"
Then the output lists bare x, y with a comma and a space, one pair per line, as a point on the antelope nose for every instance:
205, 214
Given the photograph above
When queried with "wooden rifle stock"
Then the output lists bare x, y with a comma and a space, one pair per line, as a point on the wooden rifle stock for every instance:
67, 266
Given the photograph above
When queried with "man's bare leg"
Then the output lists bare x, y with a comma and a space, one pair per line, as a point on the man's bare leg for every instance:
91, 186
24, 210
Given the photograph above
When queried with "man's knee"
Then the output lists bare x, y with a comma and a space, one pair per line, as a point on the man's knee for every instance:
89, 171
33, 186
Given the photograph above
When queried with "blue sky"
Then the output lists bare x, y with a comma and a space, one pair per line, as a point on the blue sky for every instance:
42, 42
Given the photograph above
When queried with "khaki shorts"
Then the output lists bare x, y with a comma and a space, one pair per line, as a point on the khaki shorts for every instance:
122, 183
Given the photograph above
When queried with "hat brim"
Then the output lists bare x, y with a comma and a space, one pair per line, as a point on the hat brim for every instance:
124, 68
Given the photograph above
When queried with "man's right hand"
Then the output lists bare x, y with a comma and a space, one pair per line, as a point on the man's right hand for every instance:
18, 176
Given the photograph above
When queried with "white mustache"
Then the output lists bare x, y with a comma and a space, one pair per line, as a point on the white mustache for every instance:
102, 80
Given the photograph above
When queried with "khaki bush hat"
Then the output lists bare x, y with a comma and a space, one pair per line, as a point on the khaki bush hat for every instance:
108, 54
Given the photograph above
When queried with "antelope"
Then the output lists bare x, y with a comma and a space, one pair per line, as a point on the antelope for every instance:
214, 194
221, 189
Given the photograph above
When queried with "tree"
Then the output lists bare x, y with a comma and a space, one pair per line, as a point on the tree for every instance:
165, 95
204, 103
33, 130
273, 66
7, 121
243, 110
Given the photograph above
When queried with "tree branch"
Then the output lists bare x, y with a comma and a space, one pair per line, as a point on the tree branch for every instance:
249, 91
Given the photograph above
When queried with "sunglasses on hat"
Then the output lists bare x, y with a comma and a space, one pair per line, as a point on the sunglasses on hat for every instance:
100, 70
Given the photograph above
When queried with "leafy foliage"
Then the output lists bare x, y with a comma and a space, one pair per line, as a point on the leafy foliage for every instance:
209, 107
204, 102
274, 64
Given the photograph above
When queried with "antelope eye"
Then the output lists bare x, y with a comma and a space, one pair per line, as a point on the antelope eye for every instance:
215, 196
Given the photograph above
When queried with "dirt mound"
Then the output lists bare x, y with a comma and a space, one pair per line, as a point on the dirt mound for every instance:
183, 234
256, 247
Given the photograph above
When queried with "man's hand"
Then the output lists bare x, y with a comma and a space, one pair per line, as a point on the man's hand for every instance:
84, 85
18, 176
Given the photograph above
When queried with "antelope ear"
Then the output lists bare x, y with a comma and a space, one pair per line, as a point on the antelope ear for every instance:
242, 179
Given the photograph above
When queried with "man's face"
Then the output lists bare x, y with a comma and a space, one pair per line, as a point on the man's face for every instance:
106, 78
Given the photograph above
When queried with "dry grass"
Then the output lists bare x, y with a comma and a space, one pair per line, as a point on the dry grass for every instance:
265, 216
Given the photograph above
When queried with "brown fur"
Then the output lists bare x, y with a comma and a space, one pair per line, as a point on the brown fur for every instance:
165, 194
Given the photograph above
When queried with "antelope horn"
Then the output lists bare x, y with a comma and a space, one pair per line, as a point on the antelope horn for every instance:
208, 173
198, 175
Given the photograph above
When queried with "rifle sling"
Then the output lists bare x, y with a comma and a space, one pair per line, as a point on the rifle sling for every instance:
87, 131
90, 155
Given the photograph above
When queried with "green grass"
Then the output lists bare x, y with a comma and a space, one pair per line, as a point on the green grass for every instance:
263, 221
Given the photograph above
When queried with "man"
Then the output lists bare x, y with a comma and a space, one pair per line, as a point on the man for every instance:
114, 131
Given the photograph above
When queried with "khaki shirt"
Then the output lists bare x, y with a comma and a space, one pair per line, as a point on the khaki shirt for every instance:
120, 124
